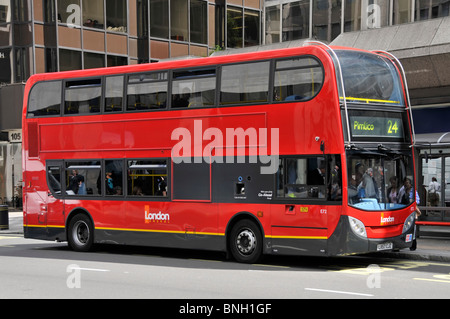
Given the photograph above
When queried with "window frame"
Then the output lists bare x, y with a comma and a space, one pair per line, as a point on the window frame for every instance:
178, 75
240, 103
74, 80
171, 80
128, 169
64, 169
275, 70
327, 187
127, 84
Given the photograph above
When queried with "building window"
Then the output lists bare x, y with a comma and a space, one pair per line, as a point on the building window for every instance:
69, 12
5, 13
426, 9
273, 24
23, 56
159, 18
402, 10
179, 20
116, 13
251, 28
49, 11
93, 14
295, 20
69, 60
51, 60
326, 19
234, 27
199, 21
114, 60
5, 66
93, 60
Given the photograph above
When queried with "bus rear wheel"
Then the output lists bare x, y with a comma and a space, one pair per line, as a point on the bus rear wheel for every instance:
80, 234
246, 242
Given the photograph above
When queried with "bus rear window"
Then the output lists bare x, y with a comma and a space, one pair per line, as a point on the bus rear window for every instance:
45, 99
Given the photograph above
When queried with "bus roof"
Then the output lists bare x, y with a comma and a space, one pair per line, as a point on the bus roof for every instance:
221, 58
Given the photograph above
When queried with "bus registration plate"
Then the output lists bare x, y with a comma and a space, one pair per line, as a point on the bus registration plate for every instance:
385, 246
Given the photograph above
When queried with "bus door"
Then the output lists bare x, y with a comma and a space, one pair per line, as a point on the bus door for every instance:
53, 210
300, 220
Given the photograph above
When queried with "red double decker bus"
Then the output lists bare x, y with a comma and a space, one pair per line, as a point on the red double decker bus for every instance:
302, 151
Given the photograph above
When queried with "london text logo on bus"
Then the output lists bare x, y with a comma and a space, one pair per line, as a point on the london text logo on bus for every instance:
155, 217
386, 220
222, 146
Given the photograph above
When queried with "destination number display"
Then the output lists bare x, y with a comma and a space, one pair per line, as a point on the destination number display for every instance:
377, 126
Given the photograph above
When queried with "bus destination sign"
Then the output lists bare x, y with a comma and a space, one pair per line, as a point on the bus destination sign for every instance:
376, 126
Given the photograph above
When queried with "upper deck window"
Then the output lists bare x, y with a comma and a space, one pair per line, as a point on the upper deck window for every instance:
194, 88
45, 99
83, 96
297, 79
245, 83
147, 91
370, 78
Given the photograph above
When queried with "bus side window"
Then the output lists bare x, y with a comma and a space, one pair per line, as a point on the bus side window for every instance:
302, 178
82, 96
114, 94
245, 83
82, 178
147, 91
114, 177
54, 179
297, 79
194, 88
147, 178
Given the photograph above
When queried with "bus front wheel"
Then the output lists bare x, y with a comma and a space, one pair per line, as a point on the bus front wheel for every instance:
80, 234
246, 242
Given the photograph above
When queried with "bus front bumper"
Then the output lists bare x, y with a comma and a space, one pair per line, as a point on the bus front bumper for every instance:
345, 241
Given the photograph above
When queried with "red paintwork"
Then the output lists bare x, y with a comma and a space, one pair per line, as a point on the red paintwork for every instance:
148, 134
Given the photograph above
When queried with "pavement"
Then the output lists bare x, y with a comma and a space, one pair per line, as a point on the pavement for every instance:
433, 242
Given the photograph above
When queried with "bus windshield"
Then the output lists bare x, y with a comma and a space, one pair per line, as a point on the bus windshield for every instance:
370, 78
380, 180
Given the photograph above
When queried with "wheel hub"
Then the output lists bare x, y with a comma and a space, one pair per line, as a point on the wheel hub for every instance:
246, 242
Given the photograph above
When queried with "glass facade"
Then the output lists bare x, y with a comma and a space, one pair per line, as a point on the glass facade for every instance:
326, 19
54, 35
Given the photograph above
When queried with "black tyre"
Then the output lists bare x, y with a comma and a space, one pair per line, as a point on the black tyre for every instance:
80, 235
246, 242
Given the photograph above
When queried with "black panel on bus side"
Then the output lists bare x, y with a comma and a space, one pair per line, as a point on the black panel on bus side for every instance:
191, 180
241, 182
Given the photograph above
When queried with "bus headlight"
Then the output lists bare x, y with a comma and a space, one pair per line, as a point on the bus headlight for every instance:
357, 227
409, 222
